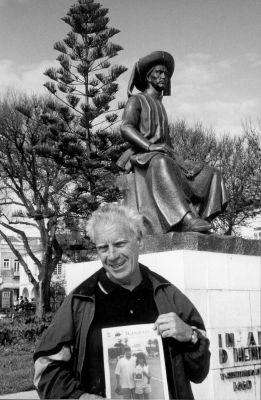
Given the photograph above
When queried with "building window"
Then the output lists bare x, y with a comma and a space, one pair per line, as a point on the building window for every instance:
16, 266
257, 235
58, 269
6, 263
6, 299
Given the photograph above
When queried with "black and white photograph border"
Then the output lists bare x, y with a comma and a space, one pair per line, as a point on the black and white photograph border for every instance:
140, 339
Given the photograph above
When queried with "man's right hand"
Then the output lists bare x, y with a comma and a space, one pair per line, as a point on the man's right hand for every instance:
163, 148
118, 389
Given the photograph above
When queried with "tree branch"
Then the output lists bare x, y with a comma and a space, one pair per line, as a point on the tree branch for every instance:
6, 203
23, 223
25, 241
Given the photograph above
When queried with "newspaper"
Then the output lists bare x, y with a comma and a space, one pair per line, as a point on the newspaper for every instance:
135, 354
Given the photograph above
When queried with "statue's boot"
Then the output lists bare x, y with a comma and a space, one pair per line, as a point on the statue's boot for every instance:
190, 223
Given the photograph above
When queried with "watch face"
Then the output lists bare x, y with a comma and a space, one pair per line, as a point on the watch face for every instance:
194, 337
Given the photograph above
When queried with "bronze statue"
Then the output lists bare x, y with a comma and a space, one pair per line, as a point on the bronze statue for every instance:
172, 194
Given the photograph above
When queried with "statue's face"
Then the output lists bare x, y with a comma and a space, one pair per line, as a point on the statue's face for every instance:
158, 78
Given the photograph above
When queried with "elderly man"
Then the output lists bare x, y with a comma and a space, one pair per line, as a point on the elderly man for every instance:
171, 194
69, 359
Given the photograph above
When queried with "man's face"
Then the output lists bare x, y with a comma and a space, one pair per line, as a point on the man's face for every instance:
128, 354
118, 249
158, 78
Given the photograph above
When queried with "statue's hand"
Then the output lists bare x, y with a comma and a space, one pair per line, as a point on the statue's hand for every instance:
163, 148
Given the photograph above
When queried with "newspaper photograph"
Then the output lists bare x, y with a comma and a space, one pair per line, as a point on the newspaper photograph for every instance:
134, 363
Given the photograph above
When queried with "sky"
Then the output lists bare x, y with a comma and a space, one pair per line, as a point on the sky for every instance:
215, 43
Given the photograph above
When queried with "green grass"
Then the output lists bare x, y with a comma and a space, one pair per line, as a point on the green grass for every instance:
16, 368
17, 344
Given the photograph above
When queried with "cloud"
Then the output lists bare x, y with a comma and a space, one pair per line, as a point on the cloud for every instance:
220, 93
223, 116
4, 2
197, 72
254, 59
24, 78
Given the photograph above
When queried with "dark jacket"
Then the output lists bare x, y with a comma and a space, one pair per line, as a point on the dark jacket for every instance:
60, 355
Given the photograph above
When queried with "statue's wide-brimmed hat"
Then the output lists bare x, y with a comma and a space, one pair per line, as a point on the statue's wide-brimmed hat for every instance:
145, 64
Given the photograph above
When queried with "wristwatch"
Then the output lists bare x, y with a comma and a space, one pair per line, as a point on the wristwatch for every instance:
194, 336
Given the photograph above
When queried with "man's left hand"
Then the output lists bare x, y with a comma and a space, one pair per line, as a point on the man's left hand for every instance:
170, 325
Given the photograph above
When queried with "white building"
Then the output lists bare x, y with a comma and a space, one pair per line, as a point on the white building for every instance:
13, 279
26, 288
9, 273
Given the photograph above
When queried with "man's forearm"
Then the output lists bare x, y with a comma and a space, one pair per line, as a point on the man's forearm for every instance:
118, 379
53, 376
197, 359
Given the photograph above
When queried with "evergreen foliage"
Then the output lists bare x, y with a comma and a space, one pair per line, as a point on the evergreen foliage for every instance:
80, 135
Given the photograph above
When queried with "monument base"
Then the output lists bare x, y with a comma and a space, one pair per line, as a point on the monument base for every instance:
226, 289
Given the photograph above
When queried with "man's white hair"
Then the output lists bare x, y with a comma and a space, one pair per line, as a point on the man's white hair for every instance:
111, 213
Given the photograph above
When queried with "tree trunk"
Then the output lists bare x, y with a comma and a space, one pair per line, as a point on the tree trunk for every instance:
46, 294
42, 293
39, 300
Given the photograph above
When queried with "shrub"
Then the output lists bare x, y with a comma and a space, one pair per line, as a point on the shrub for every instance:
21, 330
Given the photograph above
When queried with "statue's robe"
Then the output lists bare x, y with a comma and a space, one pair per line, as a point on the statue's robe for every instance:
166, 188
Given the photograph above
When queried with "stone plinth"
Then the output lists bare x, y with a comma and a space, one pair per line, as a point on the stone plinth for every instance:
225, 286
201, 242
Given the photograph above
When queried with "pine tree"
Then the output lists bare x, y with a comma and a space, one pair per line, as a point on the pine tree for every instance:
84, 86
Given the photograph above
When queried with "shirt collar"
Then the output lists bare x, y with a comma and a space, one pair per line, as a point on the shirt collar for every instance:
87, 288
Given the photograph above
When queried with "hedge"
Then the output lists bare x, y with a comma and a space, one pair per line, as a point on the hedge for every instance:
22, 330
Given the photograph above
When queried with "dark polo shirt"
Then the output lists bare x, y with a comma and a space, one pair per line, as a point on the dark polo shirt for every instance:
114, 306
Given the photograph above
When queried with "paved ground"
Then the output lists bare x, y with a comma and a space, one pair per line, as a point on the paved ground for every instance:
22, 395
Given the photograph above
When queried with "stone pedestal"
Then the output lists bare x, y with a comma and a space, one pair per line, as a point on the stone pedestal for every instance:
224, 283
